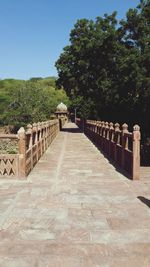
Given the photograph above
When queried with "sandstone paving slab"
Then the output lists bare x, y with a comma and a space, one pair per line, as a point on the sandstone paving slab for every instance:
74, 209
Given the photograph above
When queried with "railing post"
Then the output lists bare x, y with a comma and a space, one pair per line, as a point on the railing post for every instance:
107, 130
124, 130
97, 129
49, 133
136, 152
111, 137
99, 133
106, 137
29, 130
46, 134
117, 129
95, 126
97, 138
102, 134
22, 152
40, 137
94, 131
35, 130
56, 128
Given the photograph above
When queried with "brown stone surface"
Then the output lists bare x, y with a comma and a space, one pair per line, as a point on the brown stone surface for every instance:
75, 210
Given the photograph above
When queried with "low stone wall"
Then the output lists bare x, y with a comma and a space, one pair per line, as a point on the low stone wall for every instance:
122, 146
32, 143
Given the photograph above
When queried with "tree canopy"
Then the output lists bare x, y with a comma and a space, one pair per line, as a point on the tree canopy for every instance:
105, 68
29, 101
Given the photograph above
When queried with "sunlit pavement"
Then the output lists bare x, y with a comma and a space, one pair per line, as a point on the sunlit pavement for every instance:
74, 210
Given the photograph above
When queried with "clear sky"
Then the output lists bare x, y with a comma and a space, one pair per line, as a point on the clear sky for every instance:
34, 32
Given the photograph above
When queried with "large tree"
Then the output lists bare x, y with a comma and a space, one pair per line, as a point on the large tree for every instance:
84, 66
106, 66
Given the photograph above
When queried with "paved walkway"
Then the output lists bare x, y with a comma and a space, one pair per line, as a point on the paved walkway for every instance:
75, 210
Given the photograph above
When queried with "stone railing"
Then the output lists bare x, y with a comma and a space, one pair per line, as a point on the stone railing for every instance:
32, 143
122, 146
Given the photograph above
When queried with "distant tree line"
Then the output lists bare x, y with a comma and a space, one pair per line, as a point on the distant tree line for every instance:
23, 102
105, 69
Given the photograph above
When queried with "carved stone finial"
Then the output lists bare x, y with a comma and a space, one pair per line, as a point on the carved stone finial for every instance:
29, 126
103, 124
136, 128
125, 127
106, 125
111, 125
117, 126
34, 126
21, 130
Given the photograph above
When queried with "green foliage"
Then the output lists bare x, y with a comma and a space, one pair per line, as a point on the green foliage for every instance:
83, 108
29, 101
105, 68
7, 86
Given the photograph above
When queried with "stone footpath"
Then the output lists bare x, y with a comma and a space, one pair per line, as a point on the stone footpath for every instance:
75, 210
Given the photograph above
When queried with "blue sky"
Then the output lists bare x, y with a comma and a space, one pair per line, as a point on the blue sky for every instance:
34, 32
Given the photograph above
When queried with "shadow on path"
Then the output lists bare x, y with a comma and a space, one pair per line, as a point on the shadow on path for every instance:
144, 200
114, 164
71, 130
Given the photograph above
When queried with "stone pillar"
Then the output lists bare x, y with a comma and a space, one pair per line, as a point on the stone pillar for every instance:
136, 152
107, 130
22, 152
